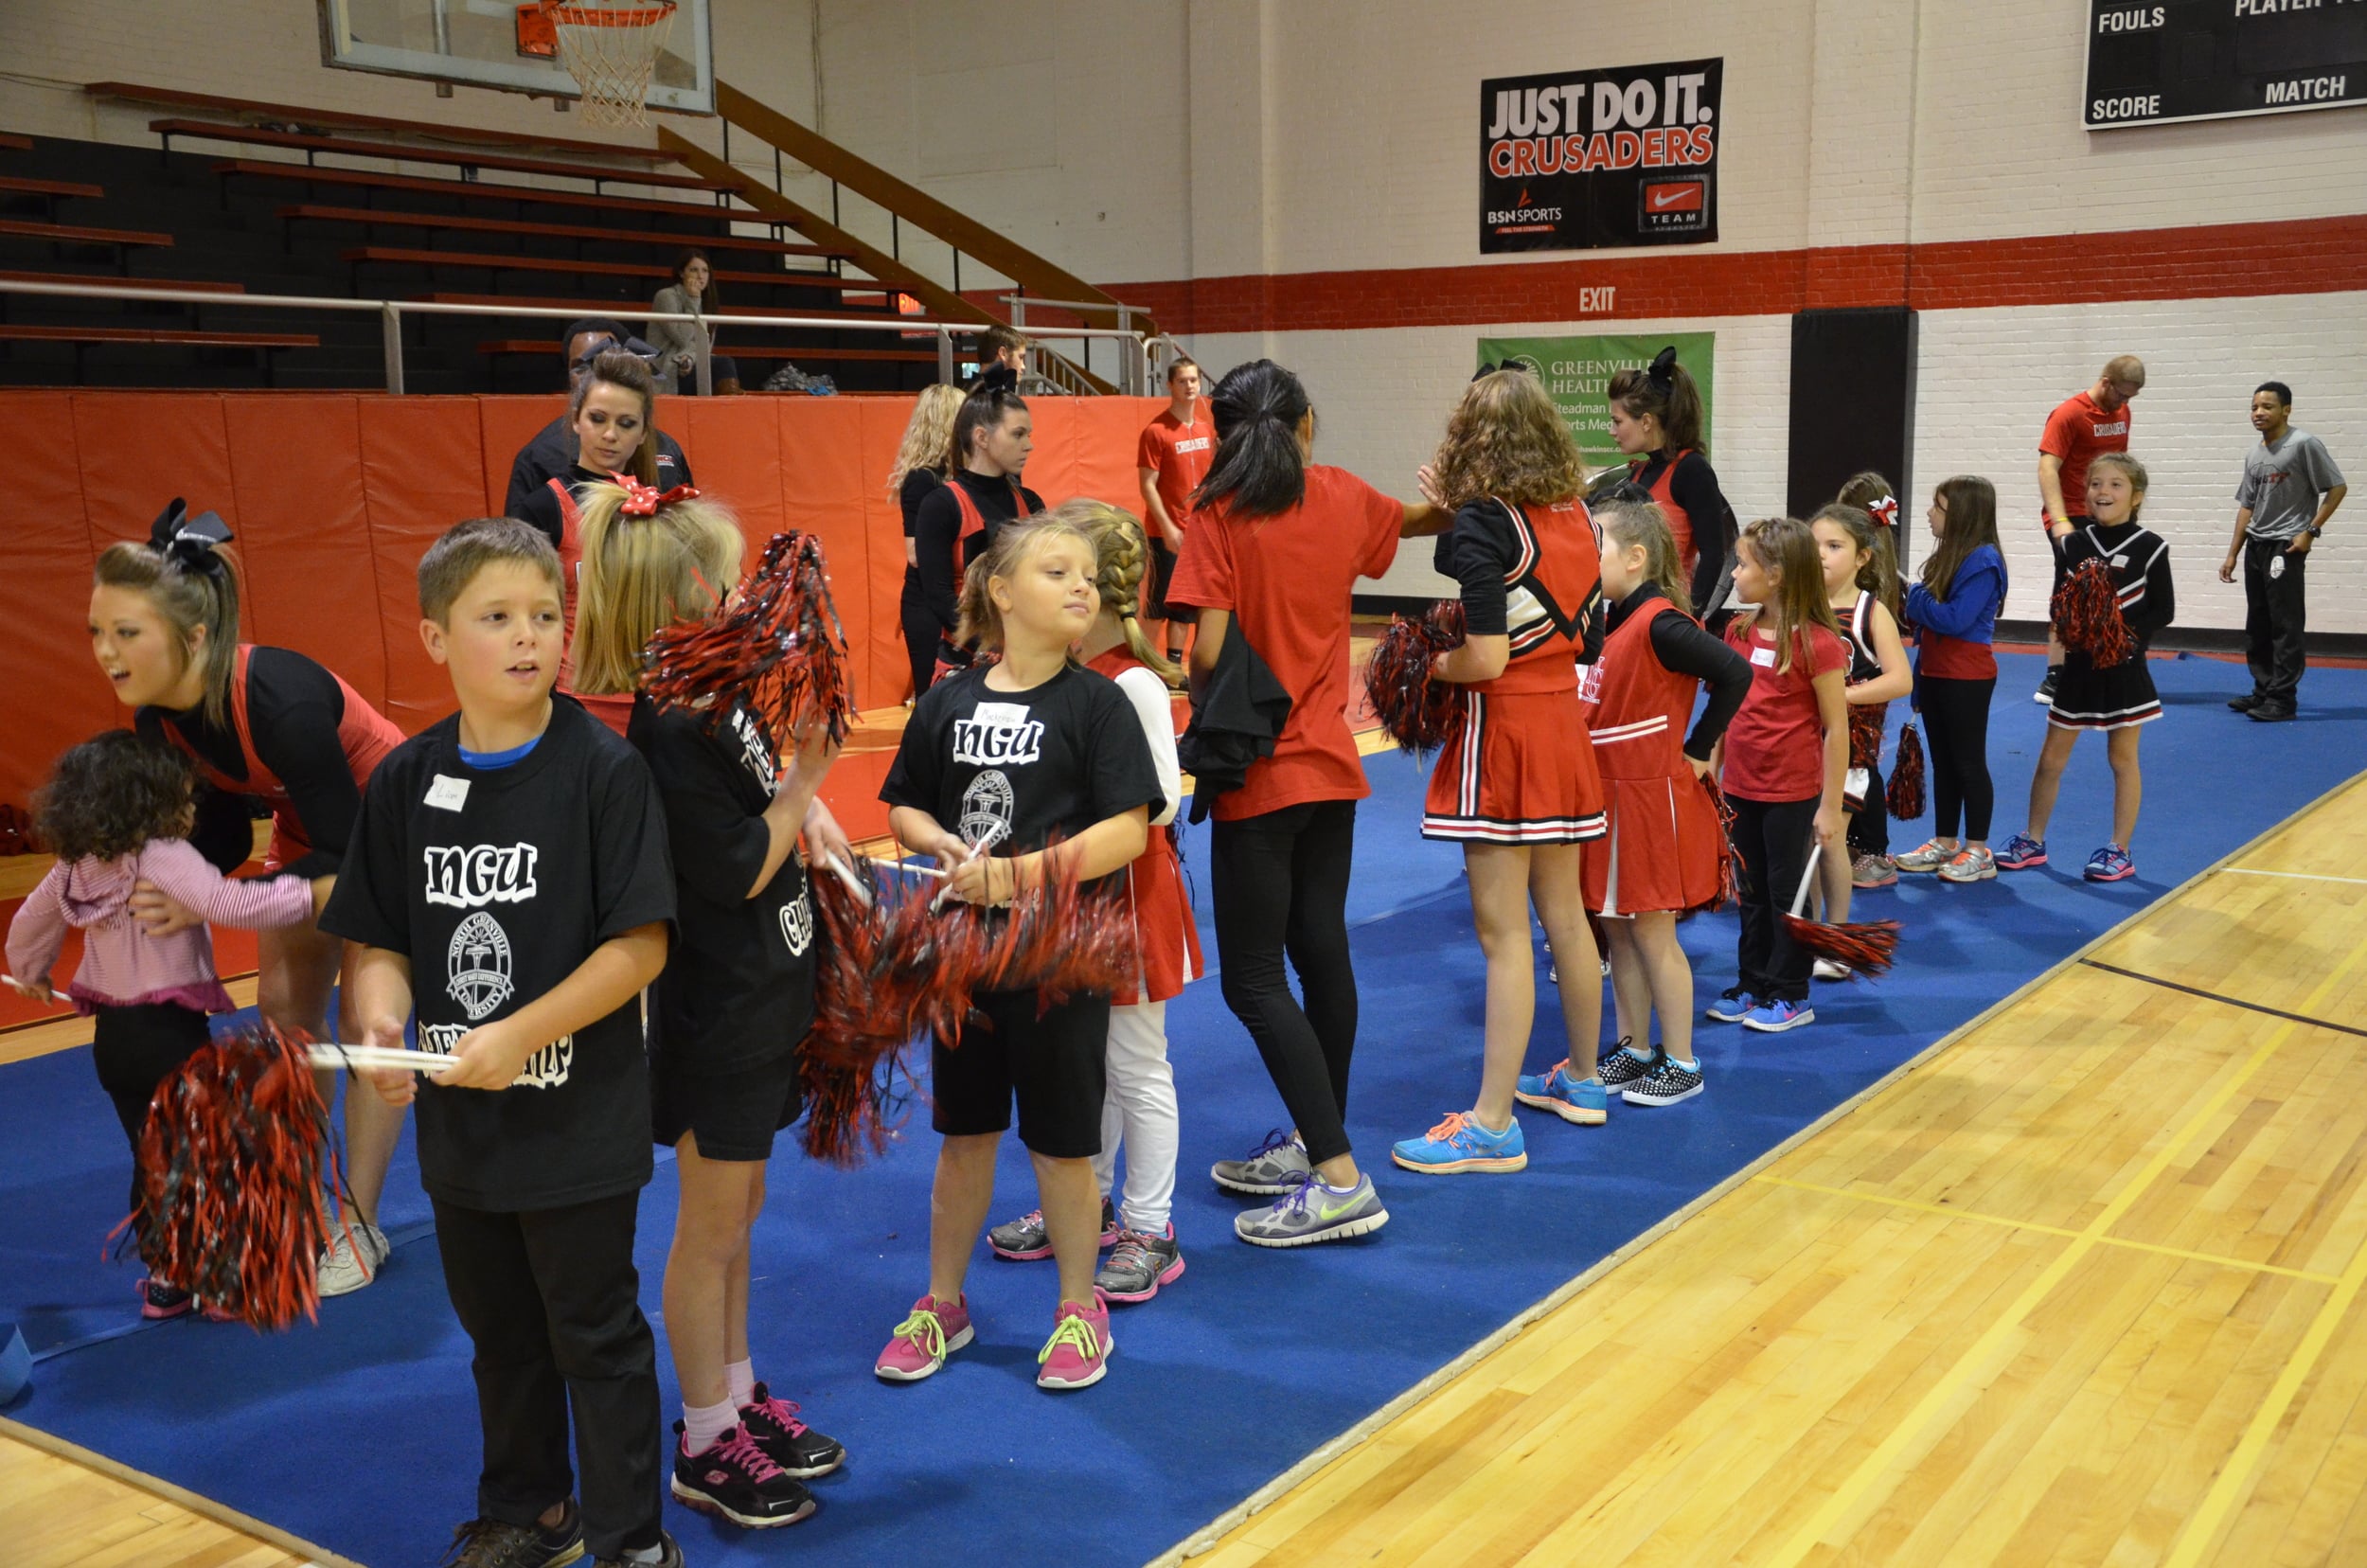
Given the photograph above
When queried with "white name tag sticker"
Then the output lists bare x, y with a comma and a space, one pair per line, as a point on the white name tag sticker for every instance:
1763, 658
448, 794
2120, 560
1000, 713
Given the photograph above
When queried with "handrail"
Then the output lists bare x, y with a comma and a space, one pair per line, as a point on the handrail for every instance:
391, 313
1025, 299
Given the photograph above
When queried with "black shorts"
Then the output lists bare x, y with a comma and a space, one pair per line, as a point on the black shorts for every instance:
735, 1113
1163, 573
1055, 1066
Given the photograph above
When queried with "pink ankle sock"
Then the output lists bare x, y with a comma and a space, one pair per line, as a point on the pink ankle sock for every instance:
703, 1426
741, 1378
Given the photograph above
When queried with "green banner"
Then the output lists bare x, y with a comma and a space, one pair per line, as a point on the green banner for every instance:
1576, 370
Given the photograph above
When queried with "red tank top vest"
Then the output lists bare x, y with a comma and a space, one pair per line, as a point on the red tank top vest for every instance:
1678, 524
974, 521
1163, 927
365, 733
1663, 848
1549, 592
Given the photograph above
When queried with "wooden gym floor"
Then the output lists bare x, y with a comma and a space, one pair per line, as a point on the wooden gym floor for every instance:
2076, 1287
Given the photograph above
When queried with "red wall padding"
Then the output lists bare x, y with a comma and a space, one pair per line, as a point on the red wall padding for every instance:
334, 497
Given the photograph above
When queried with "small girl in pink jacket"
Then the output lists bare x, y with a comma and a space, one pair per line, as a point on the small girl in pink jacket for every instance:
116, 811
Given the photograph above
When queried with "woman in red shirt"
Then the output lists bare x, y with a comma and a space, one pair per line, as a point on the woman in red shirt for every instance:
1275, 549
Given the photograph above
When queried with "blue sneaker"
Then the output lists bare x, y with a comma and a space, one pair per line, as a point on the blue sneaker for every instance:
1459, 1143
1580, 1101
2111, 863
2021, 852
1775, 1017
1731, 1004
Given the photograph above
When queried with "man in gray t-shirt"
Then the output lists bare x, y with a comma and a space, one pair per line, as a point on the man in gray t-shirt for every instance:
2290, 487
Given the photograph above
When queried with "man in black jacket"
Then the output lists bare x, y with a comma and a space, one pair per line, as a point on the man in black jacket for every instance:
552, 452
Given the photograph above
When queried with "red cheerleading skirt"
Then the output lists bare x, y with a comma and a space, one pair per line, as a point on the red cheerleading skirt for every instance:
1662, 851
1521, 770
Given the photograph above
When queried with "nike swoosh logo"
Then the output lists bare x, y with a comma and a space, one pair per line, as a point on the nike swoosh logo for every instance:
1332, 1212
1671, 200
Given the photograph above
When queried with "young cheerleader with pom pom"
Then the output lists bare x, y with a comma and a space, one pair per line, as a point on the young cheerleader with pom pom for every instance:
1515, 783
118, 811
1953, 610
2105, 683
728, 1014
1139, 1109
1027, 769
1861, 585
1782, 761
1663, 854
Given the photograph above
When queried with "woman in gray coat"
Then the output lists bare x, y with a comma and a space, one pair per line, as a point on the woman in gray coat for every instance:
680, 343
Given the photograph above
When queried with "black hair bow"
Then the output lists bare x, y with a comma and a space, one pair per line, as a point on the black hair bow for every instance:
188, 541
1522, 366
996, 378
1662, 372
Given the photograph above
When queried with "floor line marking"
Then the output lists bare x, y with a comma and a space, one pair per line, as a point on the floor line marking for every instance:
1944, 1210
2295, 875
1996, 1340
2229, 1001
2234, 1478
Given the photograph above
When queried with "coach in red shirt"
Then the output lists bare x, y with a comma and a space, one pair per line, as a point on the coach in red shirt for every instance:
1171, 460
2082, 426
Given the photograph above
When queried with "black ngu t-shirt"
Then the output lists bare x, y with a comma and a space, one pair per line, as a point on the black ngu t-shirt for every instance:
496, 885
738, 991
1023, 767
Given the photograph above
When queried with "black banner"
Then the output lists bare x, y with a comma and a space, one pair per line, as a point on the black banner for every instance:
1580, 160
2180, 60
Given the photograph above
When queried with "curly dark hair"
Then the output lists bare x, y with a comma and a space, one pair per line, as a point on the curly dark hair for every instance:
112, 794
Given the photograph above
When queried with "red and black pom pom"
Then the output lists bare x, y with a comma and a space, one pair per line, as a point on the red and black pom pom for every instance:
237, 1176
779, 646
2087, 611
1905, 794
1867, 947
1419, 712
1729, 858
1865, 733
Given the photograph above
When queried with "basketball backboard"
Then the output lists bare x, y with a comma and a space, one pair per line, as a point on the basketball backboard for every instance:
498, 43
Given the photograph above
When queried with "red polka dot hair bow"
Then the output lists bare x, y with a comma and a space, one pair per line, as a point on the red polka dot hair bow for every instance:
644, 500
1885, 511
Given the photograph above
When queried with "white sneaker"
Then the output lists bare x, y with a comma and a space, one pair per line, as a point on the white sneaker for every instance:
346, 1266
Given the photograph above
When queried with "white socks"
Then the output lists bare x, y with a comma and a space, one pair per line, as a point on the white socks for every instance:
703, 1426
740, 1377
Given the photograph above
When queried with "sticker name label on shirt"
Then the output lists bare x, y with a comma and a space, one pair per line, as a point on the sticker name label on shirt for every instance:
447, 793
1763, 658
2120, 560
998, 735
473, 876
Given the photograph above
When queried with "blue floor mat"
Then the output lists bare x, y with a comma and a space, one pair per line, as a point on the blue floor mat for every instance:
361, 1434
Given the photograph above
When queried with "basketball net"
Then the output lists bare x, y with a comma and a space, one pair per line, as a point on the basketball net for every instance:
610, 49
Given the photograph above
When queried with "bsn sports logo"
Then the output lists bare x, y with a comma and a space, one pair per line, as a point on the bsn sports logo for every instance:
998, 735
476, 966
479, 874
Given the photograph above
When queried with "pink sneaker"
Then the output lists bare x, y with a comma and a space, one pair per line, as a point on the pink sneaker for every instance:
934, 1331
1077, 1353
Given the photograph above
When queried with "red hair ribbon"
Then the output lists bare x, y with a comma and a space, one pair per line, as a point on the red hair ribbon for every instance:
1885, 511
644, 500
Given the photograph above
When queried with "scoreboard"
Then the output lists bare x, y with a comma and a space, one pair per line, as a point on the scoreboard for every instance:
2181, 60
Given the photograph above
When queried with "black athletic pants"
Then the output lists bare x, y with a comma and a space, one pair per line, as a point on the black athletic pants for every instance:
2275, 619
921, 632
1280, 881
551, 1300
1956, 735
134, 1050
1773, 837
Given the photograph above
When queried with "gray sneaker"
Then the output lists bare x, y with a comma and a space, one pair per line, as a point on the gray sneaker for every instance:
1313, 1213
352, 1259
1274, 1168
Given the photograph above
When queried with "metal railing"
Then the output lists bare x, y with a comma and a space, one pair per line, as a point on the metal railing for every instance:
392, 311
1134, 377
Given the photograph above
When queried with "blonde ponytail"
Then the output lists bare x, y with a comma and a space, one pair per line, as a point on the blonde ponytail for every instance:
641, 573
1121, 560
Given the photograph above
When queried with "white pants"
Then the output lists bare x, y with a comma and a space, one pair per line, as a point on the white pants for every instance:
1140, 1111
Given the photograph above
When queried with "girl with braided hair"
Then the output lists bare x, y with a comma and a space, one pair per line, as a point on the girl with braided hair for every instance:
1138, 1107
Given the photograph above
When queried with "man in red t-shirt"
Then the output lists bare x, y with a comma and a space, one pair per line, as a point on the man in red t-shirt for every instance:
1171, 460
2082, 427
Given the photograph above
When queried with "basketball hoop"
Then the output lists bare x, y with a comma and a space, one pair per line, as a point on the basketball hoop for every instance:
611, 49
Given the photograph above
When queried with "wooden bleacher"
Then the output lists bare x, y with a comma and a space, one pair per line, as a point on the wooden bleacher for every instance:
11, 142
244, 110
159, 335
459, 223
505, 261
9, 187
261, 169
186, 285
79, 234
467, 160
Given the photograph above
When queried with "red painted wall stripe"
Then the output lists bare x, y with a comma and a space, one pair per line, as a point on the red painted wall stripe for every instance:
2224, 261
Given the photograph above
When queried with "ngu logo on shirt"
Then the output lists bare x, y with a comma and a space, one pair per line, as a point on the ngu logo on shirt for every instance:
998, 735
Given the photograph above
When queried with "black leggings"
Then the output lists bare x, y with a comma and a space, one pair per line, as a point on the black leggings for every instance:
920, 637
136, 1049
1956, 730
1280, 881
1773, 837
1870, 824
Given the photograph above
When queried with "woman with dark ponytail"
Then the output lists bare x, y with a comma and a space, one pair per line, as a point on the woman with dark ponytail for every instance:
1656, 418
1274, 555
957, 522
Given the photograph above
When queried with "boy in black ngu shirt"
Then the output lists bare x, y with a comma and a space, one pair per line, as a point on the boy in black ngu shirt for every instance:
508, 876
